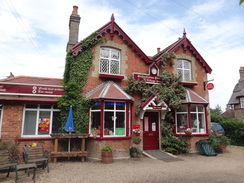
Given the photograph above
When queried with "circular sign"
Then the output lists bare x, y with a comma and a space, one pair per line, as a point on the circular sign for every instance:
210, 86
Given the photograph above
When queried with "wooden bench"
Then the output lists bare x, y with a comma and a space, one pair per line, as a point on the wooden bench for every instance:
36, 155
8, 162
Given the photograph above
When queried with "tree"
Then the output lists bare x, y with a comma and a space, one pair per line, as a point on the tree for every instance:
217, 109
241, 1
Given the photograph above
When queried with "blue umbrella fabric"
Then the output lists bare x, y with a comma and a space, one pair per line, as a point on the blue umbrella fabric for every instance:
69, 127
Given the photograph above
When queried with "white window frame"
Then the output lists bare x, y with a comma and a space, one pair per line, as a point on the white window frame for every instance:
38, 110
183, 69
242, 102
110, 61
114, 110
197, 112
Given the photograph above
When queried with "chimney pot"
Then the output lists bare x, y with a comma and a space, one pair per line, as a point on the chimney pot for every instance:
158, 49
75, 10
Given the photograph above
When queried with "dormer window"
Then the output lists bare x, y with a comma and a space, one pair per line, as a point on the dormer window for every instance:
184, 69
109, 61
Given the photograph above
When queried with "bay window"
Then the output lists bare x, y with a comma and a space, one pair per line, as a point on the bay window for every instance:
40, 120
109, 118
191, 116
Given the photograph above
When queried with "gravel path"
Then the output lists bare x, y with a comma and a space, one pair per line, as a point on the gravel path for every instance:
224, 168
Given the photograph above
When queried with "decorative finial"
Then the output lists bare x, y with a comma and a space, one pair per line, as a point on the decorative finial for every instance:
184, 32
112, 18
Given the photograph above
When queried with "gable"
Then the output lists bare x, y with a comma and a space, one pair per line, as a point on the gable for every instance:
113, 28
186, 44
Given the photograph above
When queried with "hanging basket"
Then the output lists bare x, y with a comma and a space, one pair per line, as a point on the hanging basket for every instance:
137, 141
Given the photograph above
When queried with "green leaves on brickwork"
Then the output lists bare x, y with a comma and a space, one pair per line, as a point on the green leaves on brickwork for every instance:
169, 89
75, 78
167, 57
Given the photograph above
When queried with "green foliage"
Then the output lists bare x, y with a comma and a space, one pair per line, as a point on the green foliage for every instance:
75, 77
107, 148
171, 143
13, 147
234, 128
135, 150
167, 57
217, 110
169, 90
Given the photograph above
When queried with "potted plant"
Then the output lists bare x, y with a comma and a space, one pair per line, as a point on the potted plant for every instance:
137, 131
95, 132
188, 131
136, 140
223, 142
135, 152
107, 154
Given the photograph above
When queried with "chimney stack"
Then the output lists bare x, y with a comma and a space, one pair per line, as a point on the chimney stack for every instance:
241, 80
74, 23
158, 50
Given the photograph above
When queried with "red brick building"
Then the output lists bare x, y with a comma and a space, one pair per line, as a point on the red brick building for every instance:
29, 105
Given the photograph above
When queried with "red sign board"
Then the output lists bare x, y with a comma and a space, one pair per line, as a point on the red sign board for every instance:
148, 78
210, 86
29, 89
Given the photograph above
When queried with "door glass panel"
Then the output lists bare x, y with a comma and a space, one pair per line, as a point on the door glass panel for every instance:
146, 124
154, 126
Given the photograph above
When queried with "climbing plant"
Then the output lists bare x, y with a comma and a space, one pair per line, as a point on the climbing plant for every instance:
75, 77
168, 89
167, 57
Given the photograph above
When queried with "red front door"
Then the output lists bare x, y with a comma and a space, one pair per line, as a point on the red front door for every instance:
150, 131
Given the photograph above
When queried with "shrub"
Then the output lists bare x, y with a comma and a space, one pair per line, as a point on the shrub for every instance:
107, 148
171, 143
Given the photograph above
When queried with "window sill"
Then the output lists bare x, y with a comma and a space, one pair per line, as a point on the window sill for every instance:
34, 138
192, 135
189, 83
110, 138
111, 76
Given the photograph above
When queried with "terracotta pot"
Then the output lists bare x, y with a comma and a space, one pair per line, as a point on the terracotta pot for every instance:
107, 157
136, 141
222, 147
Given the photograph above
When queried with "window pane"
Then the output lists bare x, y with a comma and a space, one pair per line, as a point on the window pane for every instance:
44, 123
109, 123
187, 75
56, 126
31, 106
97, 105
114, 67
120, 105
181, 122
109, 105
120, 123
95, 119
179, 64
114, 54
104, 65
104, 52
44, 106
30, 123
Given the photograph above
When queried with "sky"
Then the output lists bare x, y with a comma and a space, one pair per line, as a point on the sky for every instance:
34, 34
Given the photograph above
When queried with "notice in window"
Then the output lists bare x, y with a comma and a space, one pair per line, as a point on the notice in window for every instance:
43, 125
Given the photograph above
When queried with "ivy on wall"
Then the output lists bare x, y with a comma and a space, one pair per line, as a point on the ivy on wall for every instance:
169, 90
75, 77
167, 57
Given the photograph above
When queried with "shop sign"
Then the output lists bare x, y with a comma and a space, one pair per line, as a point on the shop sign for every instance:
210, 86
29, 89
147, 77
43, 125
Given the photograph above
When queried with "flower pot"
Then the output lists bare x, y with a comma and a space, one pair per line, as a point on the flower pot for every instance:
107, 157
137, 134
136, 141
222, 147
188, 132
94, 134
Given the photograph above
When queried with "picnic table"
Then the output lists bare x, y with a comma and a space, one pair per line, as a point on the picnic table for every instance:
82, 153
